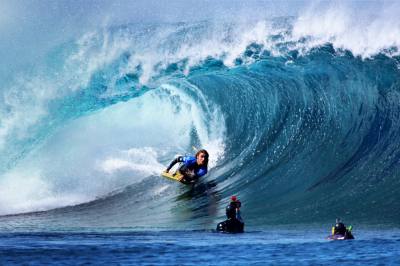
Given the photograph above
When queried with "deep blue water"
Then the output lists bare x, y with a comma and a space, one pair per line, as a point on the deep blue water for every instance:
270, 247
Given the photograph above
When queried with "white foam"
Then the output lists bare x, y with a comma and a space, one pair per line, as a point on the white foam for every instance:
159, 190
24, 103
95, 50
209, 123
108, 150
25, 190
363, 30
139, 161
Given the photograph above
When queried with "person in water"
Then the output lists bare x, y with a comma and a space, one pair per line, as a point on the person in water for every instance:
341, 229
192, 167
235, 205
234, 223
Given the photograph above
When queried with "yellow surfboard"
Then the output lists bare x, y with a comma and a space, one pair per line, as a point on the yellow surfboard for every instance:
174, 176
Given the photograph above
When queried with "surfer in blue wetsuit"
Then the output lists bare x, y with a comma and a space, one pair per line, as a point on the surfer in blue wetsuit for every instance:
192, 167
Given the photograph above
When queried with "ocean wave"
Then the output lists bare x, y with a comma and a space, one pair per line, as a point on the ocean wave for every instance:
297, 115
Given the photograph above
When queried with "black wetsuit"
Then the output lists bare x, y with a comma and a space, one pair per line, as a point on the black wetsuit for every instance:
340, 229
234, 223
231, 226
235, 205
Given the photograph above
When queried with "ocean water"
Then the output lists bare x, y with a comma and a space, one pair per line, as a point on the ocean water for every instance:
271, 247
297, 104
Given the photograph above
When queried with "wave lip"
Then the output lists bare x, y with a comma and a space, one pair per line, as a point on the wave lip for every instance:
365, 31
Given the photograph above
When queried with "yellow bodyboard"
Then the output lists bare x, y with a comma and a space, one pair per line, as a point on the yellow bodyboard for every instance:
174, 176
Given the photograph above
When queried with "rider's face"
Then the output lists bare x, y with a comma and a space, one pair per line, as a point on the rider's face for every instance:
200, 158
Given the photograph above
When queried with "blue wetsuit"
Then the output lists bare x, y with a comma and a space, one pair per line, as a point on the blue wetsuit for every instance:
190, 170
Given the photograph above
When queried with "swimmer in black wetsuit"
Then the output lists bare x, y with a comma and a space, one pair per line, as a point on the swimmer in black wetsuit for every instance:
342, 230
234, 223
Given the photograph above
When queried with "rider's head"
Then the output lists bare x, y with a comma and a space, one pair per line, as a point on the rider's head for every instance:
235, 202
202, 157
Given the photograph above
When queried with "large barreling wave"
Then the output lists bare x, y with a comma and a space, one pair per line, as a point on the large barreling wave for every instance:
300, 115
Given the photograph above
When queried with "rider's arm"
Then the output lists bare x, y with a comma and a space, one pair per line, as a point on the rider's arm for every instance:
238, 216
178, 159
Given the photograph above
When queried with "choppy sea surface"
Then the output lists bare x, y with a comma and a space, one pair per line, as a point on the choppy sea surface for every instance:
269, 247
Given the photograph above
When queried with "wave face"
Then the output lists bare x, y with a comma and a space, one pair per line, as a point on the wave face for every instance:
303, 127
